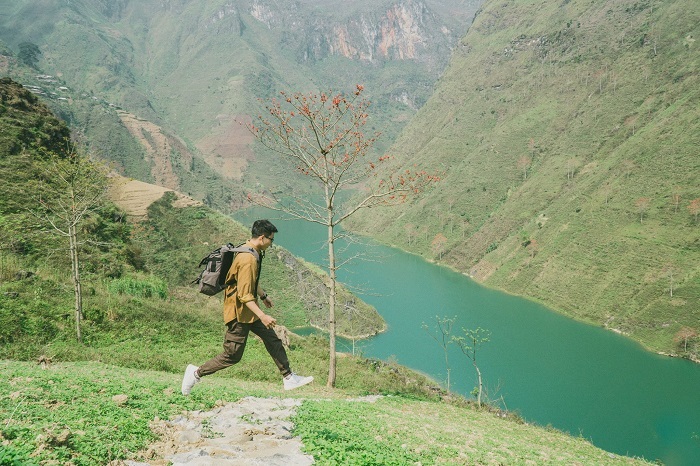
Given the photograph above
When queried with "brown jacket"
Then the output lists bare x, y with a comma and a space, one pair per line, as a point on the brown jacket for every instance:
243, 276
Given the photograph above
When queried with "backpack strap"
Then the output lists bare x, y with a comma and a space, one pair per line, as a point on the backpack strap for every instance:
248, 250
258, 258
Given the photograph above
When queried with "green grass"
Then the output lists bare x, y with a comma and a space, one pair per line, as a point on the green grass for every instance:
140, 287
399, 431
67, 413
136, 343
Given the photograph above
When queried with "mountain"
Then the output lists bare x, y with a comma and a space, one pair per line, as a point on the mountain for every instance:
177, 76
567, 133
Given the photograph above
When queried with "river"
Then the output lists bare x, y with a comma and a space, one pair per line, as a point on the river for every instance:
550, 369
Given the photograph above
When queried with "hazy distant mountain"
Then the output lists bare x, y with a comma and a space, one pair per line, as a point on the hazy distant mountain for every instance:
182, 71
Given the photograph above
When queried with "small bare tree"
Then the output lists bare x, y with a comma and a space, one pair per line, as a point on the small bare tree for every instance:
684, 335
642, 206
607, 191
524, 163
443, 337
469, 343
322, 135
73, 188
669, 271
571, 165
410, 232
694, 208
438, 245
676, 198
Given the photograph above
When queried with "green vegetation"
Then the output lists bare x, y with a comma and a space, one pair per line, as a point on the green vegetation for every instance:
140, 287
398, 431
89, 402
568, 138
127, 270
90, 413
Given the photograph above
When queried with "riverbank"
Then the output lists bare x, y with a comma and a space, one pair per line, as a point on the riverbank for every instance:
483, 281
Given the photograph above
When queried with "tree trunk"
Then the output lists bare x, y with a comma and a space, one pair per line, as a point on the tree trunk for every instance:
331, 308
478, 395
332, 297
75, 272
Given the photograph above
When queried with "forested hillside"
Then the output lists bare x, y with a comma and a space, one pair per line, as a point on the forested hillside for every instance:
568, 134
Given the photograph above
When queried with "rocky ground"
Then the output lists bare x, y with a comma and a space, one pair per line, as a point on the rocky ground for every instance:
252, 431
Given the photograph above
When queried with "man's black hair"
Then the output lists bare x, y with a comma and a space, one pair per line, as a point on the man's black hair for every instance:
262, 227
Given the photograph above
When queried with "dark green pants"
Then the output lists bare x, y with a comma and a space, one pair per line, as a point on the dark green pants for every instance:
234, 344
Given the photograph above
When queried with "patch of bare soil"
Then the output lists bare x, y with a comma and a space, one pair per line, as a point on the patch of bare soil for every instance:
135, 196
227, 148
483, 270
159, 147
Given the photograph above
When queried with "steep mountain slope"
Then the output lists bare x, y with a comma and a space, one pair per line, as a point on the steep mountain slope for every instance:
192, 69
568, 135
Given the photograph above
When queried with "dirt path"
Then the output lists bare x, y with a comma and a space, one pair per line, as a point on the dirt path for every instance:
252, 431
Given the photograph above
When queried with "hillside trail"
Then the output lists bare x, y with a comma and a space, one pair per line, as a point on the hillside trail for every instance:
251, 431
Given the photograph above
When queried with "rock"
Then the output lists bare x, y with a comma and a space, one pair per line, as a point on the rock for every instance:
60, 439
44, 361
120, 399
250, 432
189, 436
23, 275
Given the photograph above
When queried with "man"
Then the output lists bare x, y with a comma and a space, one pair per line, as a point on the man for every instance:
242, 314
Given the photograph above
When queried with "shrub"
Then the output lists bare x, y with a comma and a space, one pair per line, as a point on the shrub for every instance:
139, 287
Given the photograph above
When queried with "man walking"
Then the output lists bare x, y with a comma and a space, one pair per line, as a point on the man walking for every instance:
242, 314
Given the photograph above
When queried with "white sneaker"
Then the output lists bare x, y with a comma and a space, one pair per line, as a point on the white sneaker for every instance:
190, 379
293, 381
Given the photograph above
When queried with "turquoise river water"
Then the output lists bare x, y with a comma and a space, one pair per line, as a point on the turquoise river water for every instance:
552, 370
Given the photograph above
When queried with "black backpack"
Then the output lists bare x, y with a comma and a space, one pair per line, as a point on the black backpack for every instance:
217, 263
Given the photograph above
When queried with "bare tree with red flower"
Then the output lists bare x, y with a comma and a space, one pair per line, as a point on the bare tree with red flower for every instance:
322, 134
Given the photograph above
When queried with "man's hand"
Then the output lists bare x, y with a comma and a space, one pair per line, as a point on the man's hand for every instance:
268, 321
267, 302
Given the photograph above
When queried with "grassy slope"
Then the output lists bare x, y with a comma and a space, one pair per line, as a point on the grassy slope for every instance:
67, 413
142, 326
603, 99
